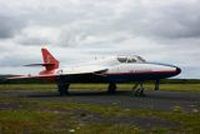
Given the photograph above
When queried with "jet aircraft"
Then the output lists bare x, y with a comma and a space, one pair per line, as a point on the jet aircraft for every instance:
111, 70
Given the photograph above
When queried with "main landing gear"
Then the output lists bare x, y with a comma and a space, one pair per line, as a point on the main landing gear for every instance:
112, 88
62, 87
157, 83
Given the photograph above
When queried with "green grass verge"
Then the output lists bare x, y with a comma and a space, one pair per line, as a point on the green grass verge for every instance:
36, 116
53, 87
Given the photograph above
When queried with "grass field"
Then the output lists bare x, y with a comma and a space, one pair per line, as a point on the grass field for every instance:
50, 87
30, 115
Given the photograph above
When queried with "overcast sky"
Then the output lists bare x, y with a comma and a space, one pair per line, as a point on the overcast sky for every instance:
78, 30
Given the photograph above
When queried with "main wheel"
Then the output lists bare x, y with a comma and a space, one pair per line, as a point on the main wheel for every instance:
112, 88
63, 89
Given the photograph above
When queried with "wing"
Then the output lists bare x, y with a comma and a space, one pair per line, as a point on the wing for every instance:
33, 78
78, 71
91, 69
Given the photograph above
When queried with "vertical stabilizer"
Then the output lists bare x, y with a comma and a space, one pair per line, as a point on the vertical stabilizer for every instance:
48, 59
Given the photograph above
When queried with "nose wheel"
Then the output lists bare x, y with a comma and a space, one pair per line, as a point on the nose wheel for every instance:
138, 91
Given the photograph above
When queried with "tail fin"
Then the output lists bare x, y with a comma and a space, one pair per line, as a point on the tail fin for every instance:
49, 60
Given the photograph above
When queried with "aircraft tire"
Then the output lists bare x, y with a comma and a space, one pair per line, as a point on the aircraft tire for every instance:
112, 88
63, 89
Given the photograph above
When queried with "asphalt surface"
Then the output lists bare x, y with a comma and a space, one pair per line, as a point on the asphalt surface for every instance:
155, 100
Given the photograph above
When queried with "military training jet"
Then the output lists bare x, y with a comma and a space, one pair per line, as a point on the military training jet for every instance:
112, 70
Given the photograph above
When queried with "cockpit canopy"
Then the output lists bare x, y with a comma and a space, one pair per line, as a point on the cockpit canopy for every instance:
130, 59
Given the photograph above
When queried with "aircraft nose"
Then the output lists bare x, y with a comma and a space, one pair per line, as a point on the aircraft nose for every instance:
178, 70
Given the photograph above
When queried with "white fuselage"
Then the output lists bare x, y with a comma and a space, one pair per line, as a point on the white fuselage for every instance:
115, 70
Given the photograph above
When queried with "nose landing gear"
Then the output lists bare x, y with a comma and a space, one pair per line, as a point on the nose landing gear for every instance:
138, 91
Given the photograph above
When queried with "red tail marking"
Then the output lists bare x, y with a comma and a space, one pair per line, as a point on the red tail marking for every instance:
49, 59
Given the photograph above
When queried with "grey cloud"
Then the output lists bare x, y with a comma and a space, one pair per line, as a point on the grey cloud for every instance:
173, 21
9, 26
80, 20
14, 60
37, 41
177, 21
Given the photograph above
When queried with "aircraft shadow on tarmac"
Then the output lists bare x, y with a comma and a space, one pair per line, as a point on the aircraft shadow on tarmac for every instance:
81, 93
158, 95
